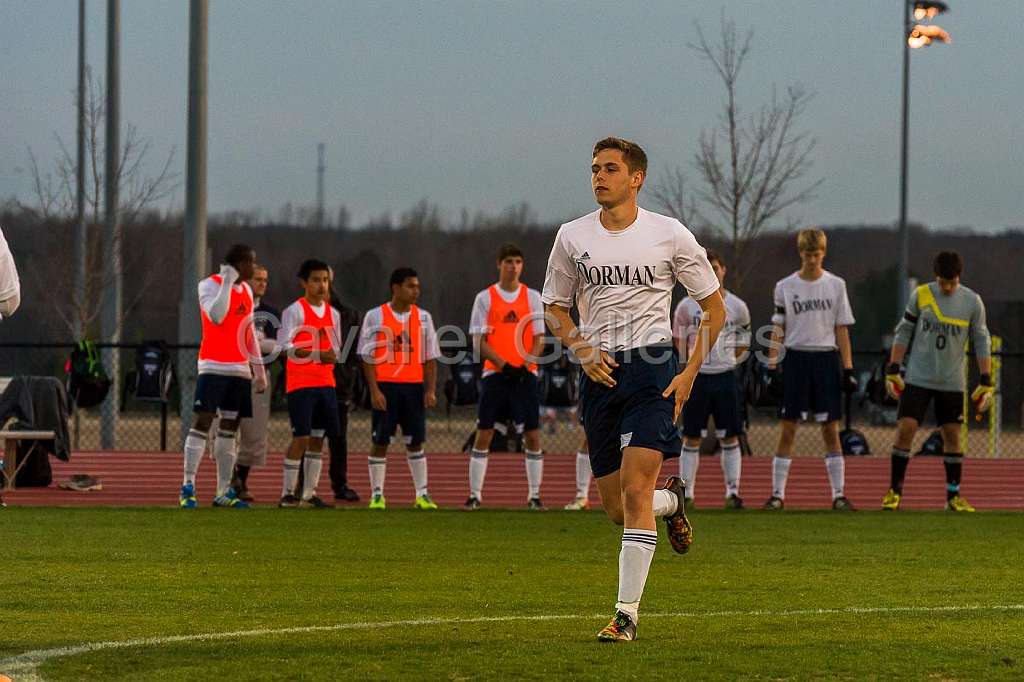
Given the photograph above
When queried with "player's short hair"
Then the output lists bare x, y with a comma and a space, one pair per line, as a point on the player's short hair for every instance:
260, 267
636, 158
948, 264
401, 274
310, 266
714, 256
811, 239
509, 250
237, 253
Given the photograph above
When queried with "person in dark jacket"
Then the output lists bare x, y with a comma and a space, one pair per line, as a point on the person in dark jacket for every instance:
345, 372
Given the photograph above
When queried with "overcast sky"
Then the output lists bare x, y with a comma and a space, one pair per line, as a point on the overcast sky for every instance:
481, 104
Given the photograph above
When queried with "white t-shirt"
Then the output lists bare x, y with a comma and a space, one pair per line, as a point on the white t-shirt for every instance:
735, 334
9, 282
209, 290
810, 311
293, 318
482, 308
373, 321
622, 281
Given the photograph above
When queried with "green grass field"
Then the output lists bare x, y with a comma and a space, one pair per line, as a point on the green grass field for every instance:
500, 595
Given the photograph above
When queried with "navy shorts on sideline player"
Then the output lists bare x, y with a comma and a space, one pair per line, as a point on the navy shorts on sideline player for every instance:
226, 396
810, 385
949, 405
632, 413
405, 409
501, 397
717, 396
314, 412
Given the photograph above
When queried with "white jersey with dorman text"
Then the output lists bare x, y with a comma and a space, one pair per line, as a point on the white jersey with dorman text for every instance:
622, 281
735, 333
810, 310
10, 285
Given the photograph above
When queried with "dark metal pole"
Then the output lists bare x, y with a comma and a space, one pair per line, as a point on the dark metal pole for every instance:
110, 318
904, 269
81, 235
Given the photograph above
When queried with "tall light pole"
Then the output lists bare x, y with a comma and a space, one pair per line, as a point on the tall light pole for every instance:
914, 36
110, 317
81, 236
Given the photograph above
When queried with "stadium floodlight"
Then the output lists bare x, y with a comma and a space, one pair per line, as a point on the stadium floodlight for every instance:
929, 10
922, 35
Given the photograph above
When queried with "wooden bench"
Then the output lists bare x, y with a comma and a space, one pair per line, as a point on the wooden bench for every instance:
11, 440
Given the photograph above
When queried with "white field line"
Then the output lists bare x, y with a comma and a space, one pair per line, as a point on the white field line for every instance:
23, 666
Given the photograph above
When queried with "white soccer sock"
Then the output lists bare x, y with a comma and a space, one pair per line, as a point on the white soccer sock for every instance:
665, 502
780, 473
418, 468
195, 446
688, 462
583, 474
290, 478
731, 462
534, 471
312, 463
634, 563
224, 454
378, 466
835, 465
477, 471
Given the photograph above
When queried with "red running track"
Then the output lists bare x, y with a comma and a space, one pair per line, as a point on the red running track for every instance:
153, 478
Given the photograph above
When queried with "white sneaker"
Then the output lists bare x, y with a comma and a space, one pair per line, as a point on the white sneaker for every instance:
579, 504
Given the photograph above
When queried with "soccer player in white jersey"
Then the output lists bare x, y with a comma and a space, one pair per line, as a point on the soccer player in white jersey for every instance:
10, 285
811, 320
618, 265
715, 390
507, 325
229, 363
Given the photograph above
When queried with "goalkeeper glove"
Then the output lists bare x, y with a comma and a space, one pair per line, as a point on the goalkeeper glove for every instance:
513, 373
984, 395
893, 381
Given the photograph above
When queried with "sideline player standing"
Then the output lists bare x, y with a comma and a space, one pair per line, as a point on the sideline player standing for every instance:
812, 316
507, 326
715, 390
399, 348
10, 285
619, 265
310, 333
940, 317
224, 386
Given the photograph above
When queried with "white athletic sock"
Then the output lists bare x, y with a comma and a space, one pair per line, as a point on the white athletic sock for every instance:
418, 468
311, 465
290, 478
534, 471
224, 454
634, 563
688, 462
665, 502
477, 471
378, 466
195, 446
731, 462
780, 473
835, 465
583, 474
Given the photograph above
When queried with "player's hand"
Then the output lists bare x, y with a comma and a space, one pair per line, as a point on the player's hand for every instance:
597, 365
327, 357
850, 384
259, 383
680, 387
893, 381
228, 273
378, 401
512, 373
984, 395
429, 399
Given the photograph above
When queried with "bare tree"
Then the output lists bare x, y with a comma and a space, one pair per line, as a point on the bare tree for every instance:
55, 202
752, 168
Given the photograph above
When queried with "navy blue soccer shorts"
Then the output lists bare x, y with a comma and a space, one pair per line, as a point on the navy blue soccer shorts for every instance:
518, 399
632, 413
810, 385
226, 396
314, 412
404, 409
715, 396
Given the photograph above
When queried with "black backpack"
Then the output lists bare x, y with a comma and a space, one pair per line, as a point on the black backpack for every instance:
152, 377
558, 383
463, 384
87, 381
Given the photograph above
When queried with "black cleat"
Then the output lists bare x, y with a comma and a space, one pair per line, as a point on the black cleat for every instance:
843, 504
774, 504
535, 504
472, 504
288, 502
734, 502
680, 532
315, 503
346, 494
620, 629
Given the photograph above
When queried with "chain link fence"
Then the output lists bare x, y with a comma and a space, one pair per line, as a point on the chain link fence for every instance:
123, 421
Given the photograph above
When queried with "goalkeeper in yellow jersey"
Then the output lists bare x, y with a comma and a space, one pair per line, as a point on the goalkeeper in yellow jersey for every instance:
940, 318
